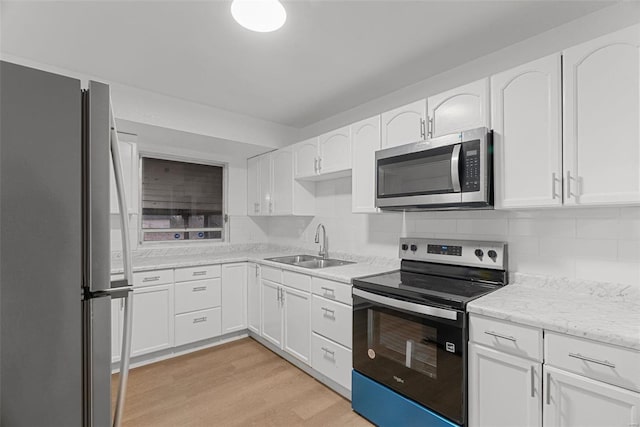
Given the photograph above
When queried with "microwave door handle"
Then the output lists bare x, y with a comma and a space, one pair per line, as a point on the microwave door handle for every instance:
455, 168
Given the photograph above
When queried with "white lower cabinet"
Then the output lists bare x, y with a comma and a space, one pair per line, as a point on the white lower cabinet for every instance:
332, 360
253, 298
152, 327
285, 318
197, 325
574, 400
234, 297
504, 390
332, 320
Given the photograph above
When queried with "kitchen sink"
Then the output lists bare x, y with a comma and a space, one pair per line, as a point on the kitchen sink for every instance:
309, 261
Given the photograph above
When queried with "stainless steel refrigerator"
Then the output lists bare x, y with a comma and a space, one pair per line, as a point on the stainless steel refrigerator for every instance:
55, 290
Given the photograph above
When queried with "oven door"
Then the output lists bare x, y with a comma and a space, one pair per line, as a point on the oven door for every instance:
414, 349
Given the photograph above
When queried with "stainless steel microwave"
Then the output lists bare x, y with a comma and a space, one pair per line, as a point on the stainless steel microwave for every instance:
445, 173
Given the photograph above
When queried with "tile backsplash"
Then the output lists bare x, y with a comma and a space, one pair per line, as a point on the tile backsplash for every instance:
601, 244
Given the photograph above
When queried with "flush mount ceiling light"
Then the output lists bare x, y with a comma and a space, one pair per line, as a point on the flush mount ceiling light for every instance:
262, 16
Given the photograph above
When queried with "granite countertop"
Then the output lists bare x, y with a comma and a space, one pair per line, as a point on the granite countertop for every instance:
603, 312
175, 258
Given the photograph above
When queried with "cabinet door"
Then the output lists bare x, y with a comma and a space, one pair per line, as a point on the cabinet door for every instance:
253, 186
129, 161
504, 390
527, 138
234, 297
297, 329
253, 297
266, 180
334, 151
282, 166
305, 158
116, 329
573, 400
404, 125
271, 312
462, 108
602, 120
365, 140
152, 319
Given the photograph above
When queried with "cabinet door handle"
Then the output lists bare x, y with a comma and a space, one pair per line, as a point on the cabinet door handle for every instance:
328, 312
199, 289
423, 132
319, 164
548, 388
200, 319
199, 273
315, 165
257, 270
592, 360
505, 337
553, 185
568, 185
327, 351
151, 279
328, 290
430, 131
270, 207
533, 381
256, 207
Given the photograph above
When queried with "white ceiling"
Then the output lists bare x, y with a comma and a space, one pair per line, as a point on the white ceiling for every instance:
330, 55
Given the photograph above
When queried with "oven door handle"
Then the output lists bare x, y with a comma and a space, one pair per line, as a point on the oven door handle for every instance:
408, 306
455, 168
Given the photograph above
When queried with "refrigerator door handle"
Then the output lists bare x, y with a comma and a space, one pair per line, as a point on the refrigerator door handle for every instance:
128, 273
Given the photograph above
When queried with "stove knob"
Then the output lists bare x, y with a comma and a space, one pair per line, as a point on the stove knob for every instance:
405, 246
414, 248
493, 255
479, 253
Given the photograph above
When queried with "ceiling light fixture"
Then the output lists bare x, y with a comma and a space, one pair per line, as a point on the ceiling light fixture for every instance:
262, 16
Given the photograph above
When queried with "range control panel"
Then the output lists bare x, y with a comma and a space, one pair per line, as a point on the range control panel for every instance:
473, 253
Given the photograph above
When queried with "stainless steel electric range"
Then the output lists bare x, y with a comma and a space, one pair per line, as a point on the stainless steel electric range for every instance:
410, 331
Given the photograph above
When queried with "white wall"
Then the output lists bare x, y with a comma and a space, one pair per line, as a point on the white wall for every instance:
587, 243
588, 27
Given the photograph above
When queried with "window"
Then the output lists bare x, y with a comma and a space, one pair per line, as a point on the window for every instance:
182, 201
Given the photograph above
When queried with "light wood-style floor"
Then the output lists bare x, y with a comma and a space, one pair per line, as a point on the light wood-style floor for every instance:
236, 384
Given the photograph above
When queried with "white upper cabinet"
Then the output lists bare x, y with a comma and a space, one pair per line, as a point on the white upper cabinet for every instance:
526, 119
365, 140
404, 125
334, 151
305, 158
282, 194
253, 186
266, 184
129, 160
462, 108
602, 120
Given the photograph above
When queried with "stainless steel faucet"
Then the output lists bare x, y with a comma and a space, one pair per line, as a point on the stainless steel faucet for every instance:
323, 246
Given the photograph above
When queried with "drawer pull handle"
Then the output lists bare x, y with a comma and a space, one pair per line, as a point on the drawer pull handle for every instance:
505, 337
151, 279
199, 289
328, 290
548, 388
200, 319
327, 351
533, 381
589, 359
328, 312
199, 273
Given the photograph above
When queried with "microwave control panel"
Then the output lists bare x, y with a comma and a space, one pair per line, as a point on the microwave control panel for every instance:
471, 166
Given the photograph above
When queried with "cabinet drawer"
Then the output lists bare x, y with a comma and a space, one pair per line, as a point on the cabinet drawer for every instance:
197, 295
519, 340
332, 360
155, 277
603, 362
270, 273
197, 273
331, 290
332, 320
198, 325
298, 281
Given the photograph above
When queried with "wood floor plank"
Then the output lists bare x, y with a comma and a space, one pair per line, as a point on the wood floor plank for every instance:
240, 383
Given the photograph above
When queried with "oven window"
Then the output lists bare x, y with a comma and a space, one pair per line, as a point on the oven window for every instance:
411, 344
426, 172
